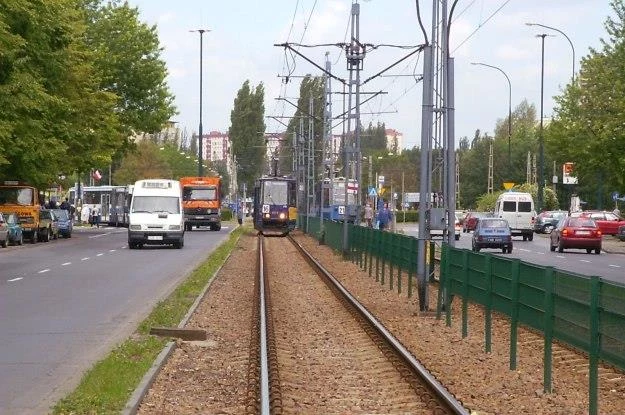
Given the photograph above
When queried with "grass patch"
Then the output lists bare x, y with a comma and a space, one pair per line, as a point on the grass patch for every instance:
107, 386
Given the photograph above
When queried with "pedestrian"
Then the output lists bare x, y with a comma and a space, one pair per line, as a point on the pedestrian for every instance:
617, 212
384, 217
64, 204
240, 209
369, 215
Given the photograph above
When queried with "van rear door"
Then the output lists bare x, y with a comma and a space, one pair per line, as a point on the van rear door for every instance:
509, 209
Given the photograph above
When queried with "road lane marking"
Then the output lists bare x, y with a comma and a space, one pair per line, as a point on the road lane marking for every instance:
584, 260
560, 256
66, 263
44, 270
540, 253
112, 250
524, 250
85, 258
15, 279
99, 254
614, 266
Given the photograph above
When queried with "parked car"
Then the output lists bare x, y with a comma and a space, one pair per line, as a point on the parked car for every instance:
548, 220
16, 234
621, 233
470, 220
49, 225
492, 233
608, 222
4, 231
65, 222
576, 232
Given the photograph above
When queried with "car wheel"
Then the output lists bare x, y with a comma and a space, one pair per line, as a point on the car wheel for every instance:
20, 240
597, 251
3, 243
588, 250
504, 250
34, 238
525, 237
560, 247
510, 250
45, 237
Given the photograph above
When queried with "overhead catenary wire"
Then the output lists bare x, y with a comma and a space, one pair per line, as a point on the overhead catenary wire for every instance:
481, 25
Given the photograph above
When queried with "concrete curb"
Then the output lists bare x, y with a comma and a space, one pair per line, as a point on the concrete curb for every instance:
132, 406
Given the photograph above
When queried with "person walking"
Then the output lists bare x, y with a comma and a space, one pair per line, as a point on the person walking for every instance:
384, 217
240, 210
369, 215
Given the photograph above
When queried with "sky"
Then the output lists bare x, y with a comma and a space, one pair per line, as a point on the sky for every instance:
240, 47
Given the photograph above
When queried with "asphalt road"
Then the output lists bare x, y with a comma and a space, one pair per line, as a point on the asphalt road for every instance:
610, 266
65, 304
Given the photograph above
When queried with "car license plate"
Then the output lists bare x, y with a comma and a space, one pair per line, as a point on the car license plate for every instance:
199, 217
155, 238
583, 232
493, 239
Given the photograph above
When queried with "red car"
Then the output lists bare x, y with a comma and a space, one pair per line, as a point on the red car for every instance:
576, 232
608, 222
470, 220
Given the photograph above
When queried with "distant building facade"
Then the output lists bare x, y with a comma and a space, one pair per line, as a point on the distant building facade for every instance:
394, 141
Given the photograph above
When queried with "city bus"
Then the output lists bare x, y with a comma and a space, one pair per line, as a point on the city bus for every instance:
111, 202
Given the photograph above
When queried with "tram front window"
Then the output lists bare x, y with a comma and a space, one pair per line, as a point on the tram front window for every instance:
275, 193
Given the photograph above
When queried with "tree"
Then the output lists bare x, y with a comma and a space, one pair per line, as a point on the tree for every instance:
146, 162
128, 59
247, 127
50, 102
588, 125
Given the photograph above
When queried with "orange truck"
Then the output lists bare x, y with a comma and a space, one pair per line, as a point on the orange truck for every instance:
23, 200
201, 201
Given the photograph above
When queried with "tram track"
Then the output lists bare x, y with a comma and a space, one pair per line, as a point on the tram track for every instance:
400, 369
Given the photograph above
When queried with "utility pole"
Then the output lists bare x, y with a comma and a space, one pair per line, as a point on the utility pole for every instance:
310, 179
328, 152
490, 169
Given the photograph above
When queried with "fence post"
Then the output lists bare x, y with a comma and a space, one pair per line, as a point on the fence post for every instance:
441, 282
391, 254
447, 294
411, 255
378, 237
595, 345
465, 293
548, 306
488, 265
514, 318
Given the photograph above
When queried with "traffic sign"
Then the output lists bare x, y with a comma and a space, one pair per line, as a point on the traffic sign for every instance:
615, 196
372, 192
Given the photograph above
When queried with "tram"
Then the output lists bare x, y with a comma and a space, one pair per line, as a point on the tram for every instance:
334, 206
112, 202
275, 205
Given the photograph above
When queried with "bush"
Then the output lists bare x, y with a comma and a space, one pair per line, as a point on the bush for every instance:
411, 216
226, 214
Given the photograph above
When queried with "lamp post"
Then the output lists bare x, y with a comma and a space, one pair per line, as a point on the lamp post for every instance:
563, 34
200, 166
509, 109
541, 153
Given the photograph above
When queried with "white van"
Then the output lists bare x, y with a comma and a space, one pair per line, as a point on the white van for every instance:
518, 209
156, 216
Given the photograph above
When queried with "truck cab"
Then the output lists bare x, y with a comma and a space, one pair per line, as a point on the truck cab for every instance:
24, 201
201, 201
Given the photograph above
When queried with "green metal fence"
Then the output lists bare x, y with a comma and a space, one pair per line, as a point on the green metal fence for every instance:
586, 313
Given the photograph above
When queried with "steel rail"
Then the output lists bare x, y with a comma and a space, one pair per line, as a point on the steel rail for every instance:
264, 359
452, 404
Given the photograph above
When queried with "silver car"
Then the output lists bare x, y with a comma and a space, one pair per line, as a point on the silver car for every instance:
4, 231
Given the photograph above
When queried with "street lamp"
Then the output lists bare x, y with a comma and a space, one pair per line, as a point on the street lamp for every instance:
541, 152
200, 168
509, 109
563, 34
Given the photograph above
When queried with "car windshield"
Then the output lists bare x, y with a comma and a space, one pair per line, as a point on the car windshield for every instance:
45, 214
152, 204
581, 223
494, 223
61, 214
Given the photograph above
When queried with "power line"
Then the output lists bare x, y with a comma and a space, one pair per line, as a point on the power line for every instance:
481, 24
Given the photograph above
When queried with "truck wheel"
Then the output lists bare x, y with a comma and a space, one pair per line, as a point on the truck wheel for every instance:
530, 237
218, 227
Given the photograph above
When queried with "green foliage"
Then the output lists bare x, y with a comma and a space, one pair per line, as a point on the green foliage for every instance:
407, 216
588, 124
247, 127
226, 214
486, 202
310, 87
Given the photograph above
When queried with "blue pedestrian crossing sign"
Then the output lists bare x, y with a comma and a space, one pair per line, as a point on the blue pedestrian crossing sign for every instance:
615, 196
372, 191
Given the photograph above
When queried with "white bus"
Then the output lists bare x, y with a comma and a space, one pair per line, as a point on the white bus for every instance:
111, 202
156, 215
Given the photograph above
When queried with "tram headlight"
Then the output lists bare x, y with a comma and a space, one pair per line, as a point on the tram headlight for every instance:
267, 215
282, 215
